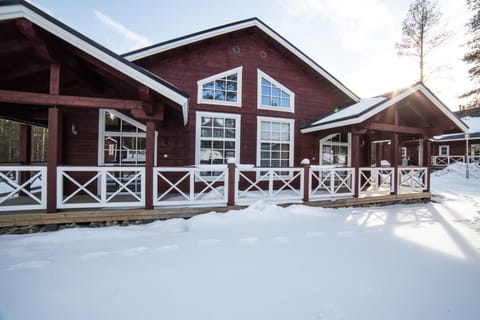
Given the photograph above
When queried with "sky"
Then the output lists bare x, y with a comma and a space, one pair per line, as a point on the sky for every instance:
353, 40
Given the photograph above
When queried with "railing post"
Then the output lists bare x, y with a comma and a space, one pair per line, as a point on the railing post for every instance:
306, 179
149, 164
231, 182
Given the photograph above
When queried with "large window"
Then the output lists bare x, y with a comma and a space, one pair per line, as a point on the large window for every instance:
272, 95
275, 142
218, 138
224, 88
335, 149
122, 140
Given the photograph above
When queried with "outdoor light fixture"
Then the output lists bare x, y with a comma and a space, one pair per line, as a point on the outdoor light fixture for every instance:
74, 129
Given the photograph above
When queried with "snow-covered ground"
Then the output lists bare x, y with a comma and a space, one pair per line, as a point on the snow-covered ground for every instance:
419, 261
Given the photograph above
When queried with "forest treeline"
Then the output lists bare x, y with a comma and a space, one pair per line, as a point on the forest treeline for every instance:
10, 142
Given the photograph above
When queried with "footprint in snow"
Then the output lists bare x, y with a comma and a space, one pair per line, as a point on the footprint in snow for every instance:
134, 251
249, 241
209, 242
167, 248
36, 264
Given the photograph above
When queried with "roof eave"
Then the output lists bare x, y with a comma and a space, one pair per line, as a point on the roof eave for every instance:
20, 10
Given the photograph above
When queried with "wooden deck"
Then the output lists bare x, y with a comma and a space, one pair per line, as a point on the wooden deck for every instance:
19, 219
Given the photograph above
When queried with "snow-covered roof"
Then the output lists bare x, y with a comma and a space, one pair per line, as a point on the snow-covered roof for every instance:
232, 27
367, 108
22, 9
473, 124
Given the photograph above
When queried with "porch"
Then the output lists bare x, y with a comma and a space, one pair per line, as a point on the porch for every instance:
25, 188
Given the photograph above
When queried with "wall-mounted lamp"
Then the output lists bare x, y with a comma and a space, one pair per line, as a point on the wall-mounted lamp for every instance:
74, 129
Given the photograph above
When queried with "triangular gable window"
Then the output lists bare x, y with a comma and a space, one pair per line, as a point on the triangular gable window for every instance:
274, 96
223, 89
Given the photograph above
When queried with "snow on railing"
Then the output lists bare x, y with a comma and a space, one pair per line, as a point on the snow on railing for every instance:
200, 185
444, 161
275, 184
412, 179
376, 181
330, 182
92, 187
23, 188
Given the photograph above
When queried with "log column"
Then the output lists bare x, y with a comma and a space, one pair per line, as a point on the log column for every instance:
54, 156
395, 153
149, 164
356, 163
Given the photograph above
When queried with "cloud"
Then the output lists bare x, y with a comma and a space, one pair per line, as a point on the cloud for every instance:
129, 39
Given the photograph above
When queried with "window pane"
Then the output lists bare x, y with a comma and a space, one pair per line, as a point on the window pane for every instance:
265, 101
266, 91
276, 126
218, 144
112, 122
205, 144
208, 85
285, 103
232, 77
219, 85
207, 94
128, 127
220, 95
265, 82
229, 145
230, 123
285, 136
265, 163
275, 102
232, 86
265, 135
206, 132
218, 133
229, 133
275, 92
206, 121
219, 122
232, 96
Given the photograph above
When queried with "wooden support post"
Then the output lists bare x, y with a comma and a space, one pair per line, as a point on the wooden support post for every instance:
306, 180
25, 150
231, 183
356, 163
54, 78
428, 155
395, 146
149, 164
54, 156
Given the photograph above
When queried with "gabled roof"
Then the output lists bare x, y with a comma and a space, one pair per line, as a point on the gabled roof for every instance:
473, 131
367, 108
232, 27
15, 9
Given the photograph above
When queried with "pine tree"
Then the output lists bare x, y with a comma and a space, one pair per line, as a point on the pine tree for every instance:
472, 57
421, 32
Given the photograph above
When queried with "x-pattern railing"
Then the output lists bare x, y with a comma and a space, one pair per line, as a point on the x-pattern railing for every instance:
374, 180
443, 161
104, 187
412, 179
282, 184
190, 186
328, 182
27, 194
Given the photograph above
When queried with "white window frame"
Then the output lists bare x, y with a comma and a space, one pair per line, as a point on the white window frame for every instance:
404, 152
199, 115
347, 144
291, 142
260, 75
102, 133
442, 147
200, 83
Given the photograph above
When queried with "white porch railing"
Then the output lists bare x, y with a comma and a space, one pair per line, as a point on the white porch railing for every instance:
412, 179
474, 159
23, 188
376, 181
444, 161
276, 184
92, 187
328, 182
177, 186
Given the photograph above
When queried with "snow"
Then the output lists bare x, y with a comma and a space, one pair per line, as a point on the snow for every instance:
473, 124
351, 110
418, 261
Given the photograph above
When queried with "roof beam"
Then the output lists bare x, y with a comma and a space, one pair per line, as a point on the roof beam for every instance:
29, 98
396, 128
